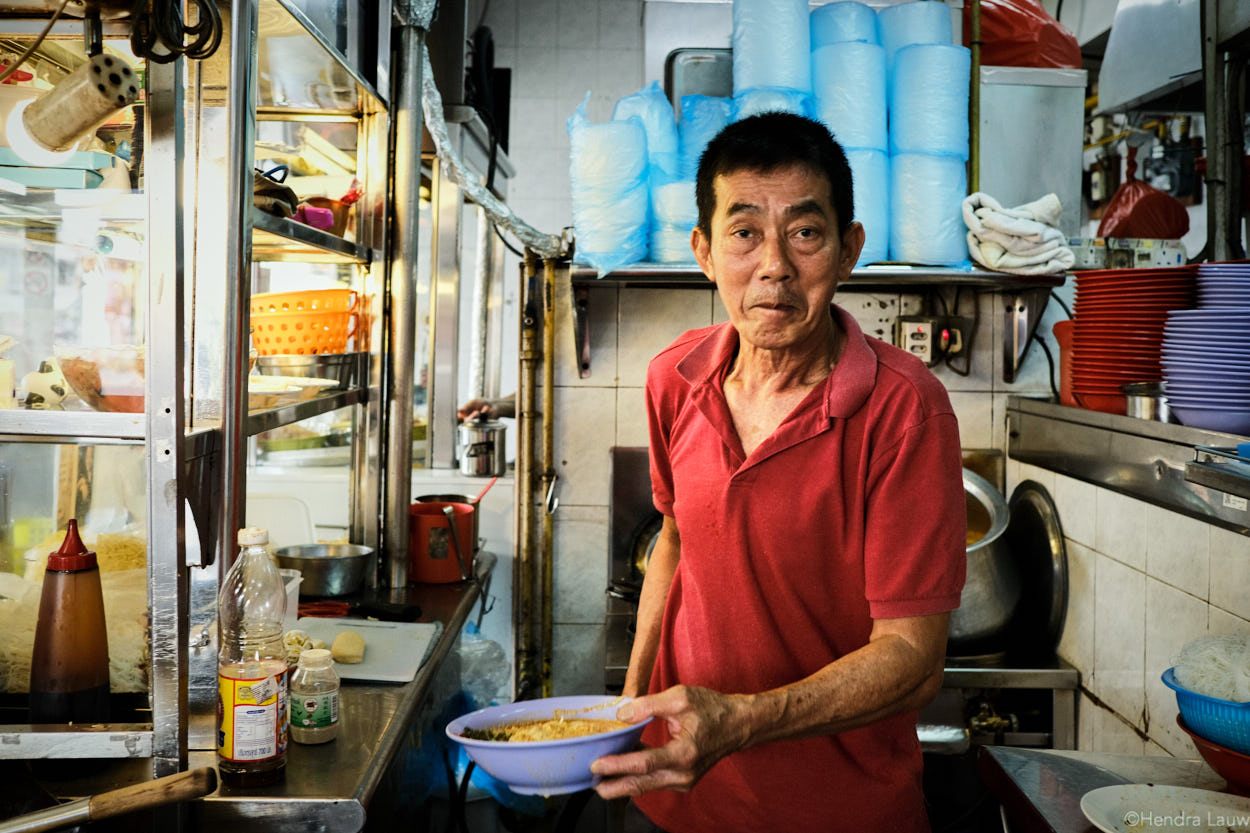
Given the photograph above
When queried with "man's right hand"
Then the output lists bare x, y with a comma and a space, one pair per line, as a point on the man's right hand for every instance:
472, 408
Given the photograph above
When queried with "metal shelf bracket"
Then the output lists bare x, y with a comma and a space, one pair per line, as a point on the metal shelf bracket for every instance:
1021, 313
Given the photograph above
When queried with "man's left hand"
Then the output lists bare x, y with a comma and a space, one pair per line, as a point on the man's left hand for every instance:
703, 726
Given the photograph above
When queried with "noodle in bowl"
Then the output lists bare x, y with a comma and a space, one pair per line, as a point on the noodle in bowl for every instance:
531, 764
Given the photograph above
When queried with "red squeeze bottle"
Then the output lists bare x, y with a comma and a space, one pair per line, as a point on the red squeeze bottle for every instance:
69, 668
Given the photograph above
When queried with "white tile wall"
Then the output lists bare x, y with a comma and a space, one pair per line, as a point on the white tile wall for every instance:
577, 659
1121, 528
584, 432
1077, 643
1076, 501
1230, 571
1119, 638
649, 321
1173, 619
1177, 551
581, 571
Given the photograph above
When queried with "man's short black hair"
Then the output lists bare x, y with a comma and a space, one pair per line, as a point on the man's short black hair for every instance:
767, 142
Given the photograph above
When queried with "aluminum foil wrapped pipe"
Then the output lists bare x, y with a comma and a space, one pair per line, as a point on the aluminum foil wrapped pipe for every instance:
82, 101
546, 245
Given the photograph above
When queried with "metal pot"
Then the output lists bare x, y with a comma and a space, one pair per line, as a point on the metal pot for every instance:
480, 446
327, 569
993, 587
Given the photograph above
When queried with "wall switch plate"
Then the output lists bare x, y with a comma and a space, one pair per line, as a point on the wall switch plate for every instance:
932, 338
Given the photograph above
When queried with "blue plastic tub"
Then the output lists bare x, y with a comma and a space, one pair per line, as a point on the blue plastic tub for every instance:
1222, 721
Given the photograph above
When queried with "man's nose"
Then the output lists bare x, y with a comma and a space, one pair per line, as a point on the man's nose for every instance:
775, 261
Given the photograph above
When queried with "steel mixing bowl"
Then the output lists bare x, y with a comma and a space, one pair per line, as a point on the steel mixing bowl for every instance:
327, 569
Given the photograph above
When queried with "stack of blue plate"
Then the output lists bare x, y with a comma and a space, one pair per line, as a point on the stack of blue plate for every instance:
1224, 285
1206, 366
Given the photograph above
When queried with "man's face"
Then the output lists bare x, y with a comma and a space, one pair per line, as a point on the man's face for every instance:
775, 254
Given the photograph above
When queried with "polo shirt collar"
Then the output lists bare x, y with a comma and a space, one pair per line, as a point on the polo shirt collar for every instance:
846, 389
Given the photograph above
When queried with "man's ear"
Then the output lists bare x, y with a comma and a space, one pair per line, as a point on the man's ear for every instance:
852, 245
702, 248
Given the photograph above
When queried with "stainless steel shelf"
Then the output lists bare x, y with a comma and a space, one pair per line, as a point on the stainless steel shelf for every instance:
104, 740
21, 425
1026, 296
315, 32
277, 417
878, 275
1151, 461
281, 239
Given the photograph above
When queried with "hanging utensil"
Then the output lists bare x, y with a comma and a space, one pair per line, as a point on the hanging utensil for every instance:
465, 571
171, 789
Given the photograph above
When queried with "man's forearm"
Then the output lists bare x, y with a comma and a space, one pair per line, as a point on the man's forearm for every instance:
893, 673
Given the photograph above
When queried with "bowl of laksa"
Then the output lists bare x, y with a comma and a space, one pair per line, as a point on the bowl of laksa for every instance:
545, 747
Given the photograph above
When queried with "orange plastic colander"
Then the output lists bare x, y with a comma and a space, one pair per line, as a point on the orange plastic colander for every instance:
309, 300
302, 333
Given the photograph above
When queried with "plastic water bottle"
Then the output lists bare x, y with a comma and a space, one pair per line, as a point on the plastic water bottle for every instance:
252, 716
314, 698
484, 667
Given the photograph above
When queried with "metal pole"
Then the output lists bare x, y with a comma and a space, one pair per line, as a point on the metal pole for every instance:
523, 580
242, 136
547, 551
1216, 130
168, 587
974, 103
482, 273
403, 334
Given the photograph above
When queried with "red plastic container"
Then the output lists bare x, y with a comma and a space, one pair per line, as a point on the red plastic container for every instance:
1233, 767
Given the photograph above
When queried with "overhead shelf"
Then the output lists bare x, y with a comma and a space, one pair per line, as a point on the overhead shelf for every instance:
1025, 296
279, 238
878, 275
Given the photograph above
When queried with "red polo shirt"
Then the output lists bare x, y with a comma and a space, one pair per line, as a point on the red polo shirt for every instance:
852, 510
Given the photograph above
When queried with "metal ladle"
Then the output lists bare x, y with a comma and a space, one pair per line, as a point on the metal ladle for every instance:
465, 571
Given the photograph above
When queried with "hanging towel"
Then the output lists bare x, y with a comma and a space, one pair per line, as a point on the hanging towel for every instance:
1021, 240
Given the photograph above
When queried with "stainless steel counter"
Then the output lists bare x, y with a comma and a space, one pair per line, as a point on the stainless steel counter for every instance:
1041, 791
366, 771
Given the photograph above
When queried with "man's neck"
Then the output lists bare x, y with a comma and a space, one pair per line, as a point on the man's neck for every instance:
758, 370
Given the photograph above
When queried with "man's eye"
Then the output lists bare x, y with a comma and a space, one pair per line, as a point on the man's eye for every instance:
806, 233
741, 233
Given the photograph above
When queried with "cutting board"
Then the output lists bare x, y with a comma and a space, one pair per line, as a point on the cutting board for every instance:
393, 650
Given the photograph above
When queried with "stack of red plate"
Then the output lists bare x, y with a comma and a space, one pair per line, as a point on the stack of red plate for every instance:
1118, 329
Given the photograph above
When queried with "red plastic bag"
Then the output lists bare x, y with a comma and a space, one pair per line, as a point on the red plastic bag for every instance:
1019, 33
1137, 210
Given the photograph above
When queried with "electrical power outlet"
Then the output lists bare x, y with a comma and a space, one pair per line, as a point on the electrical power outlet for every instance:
931, 338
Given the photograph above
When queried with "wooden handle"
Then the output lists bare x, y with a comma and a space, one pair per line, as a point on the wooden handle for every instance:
170, 789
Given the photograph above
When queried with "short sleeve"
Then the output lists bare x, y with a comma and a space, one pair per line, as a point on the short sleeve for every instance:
915, 524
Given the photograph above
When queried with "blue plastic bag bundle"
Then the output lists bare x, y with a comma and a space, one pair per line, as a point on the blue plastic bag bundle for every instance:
923, 21
702, 117
929, 100
870, 173
652, 108
674, 214
841, 21
849, 92
608, 183
771, 44
770, 100
926, 216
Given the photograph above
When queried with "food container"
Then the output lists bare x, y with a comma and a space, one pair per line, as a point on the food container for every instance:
346, 369
303, 333
308, 300
1224, 721
1145, 400
327, 569
546, 767
433, 557
106, 378
480, 446
475, 542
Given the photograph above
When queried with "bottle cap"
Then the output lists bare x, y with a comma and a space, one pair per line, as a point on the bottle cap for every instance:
315, 657
253, 536
73, 556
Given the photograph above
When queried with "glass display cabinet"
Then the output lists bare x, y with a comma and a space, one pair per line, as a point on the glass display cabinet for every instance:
133, 270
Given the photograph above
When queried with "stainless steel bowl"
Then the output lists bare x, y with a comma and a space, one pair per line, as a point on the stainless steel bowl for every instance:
345, 368
327, 569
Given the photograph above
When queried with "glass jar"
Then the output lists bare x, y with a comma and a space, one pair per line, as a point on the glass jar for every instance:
314, 698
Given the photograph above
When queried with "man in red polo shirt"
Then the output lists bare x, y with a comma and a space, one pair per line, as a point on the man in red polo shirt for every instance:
793, 615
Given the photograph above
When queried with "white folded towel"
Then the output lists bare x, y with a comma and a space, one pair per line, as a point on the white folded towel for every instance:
1021, 240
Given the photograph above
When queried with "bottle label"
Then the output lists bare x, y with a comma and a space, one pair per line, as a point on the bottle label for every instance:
315, 711
252, 715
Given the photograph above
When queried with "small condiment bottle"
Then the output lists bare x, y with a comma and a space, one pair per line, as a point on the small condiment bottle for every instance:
69, 667
314, 698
